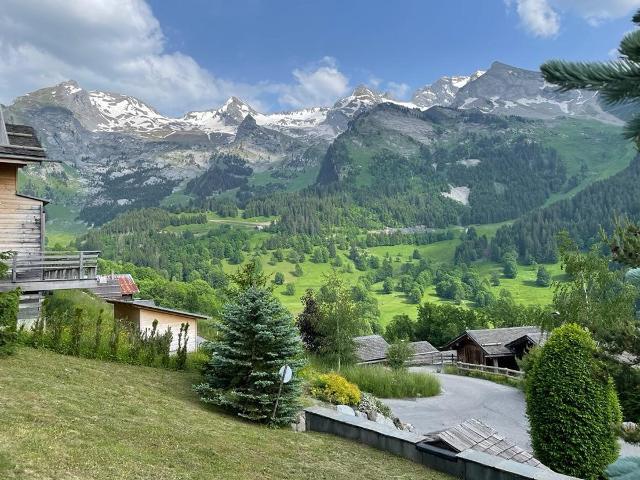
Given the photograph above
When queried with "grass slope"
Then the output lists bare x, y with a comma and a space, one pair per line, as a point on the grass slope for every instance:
71, 418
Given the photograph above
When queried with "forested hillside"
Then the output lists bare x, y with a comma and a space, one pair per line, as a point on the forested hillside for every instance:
534, 235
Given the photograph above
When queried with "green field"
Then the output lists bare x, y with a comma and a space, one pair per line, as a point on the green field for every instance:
71, 418
522, 288
62, 226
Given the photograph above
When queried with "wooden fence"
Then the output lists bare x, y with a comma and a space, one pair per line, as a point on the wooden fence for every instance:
506, 372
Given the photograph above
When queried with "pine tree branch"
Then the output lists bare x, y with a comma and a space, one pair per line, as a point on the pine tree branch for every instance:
617, 81
630, 46
632, 129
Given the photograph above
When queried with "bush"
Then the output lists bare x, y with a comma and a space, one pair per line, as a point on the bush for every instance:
8, 321
572, 406
289, 289
278, 279
385, 383
399, 353
333, 388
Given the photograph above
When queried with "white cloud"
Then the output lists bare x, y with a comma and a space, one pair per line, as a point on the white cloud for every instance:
398, 90
118, 45
538, 17
542, 18
320, 84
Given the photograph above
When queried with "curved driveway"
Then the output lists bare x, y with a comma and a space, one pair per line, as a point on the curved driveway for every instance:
499, 406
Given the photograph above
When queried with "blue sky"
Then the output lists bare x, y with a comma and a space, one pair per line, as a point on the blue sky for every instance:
408, 41
286, 54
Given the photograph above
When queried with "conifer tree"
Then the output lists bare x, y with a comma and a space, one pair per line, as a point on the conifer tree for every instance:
617, 81
257, 338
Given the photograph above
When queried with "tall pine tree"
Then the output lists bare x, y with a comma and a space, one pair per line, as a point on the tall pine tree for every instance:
257, 338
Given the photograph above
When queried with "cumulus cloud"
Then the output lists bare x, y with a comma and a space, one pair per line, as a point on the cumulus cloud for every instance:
542, 18
538, 17
118, 45
319, 84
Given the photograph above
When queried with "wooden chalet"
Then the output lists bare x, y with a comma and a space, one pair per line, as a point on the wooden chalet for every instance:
499, 347
22, 230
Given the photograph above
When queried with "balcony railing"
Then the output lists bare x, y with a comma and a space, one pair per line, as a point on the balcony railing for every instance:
52, 266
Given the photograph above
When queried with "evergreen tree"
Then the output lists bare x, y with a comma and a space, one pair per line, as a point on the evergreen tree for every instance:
387, 286
616, 81
308, 322
495, 279
257, 338
278, 278
509, 265
297, 271
543, 278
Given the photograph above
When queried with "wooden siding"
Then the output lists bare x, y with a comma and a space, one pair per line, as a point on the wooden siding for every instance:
21, 219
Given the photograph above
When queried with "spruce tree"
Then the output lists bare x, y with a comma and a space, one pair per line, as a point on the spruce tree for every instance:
617, 81
257, 338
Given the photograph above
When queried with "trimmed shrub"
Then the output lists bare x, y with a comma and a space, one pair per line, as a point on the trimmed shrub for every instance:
8, 321
572, 406
333, 388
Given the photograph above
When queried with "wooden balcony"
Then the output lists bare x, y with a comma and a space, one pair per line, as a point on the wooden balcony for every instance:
51, 270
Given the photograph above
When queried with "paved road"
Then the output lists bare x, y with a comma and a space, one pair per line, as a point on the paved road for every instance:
498, 406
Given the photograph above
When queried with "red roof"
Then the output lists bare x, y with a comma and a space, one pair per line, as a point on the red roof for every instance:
127, 285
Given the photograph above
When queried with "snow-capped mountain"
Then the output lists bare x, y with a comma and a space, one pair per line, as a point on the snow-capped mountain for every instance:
508, 90
443, 91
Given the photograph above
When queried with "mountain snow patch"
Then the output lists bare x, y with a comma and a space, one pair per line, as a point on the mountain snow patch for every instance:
459, 194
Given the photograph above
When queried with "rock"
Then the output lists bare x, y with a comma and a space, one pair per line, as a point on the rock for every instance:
361, 415
629, 427
345, 410
398, 424
389, 422
372, 415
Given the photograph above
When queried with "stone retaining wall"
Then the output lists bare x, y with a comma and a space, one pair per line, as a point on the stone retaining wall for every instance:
468, 465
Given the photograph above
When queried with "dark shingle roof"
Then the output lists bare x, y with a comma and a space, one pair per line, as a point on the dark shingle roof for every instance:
494, 340
371, 348
536, 338
475, 435
423, 347
23, 144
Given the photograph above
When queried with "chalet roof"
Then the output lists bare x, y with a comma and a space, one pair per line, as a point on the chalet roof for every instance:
423, 347
472, 434
536, 338
150, 305
494, 340
19, 143
123, 281
371, 348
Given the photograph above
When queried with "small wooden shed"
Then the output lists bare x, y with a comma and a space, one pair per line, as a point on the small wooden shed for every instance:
142, 313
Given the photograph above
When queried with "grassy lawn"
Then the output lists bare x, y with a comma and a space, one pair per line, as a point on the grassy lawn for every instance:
71, 418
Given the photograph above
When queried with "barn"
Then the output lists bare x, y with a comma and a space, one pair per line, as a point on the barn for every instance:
495, 346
